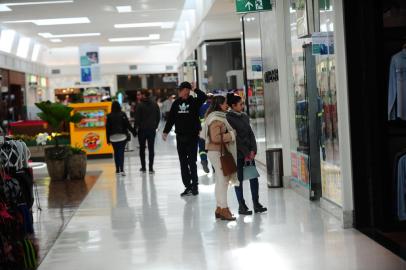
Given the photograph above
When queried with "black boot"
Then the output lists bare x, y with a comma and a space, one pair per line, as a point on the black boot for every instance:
243, 209
258, 208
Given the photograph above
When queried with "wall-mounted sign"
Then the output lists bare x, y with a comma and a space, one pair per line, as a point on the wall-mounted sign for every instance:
244, 6
89, 63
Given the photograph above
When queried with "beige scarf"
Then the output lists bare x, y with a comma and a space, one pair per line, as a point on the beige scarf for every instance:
231, 146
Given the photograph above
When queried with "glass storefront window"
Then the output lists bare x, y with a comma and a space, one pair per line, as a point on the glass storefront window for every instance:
328, 140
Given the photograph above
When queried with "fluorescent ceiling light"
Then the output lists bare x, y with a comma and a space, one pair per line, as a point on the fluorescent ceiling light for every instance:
35, 52
57, 21
124, 9
6, 6
163, 25
127, 39
49, 35
23, 47
56, 40
6, 40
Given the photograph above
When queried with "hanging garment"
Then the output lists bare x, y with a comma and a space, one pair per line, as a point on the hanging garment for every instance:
397, 87
401, 187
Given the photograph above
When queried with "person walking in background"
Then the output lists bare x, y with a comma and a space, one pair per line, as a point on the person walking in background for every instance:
218, 133
246, 151
147, 117
202, 143
117, 133
166, 106
184, 114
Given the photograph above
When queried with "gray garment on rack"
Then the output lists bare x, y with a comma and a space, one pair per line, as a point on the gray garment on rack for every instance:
401, 187
397, 87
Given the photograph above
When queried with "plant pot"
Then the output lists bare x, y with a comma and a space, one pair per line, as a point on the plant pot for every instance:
55, 159
77, 166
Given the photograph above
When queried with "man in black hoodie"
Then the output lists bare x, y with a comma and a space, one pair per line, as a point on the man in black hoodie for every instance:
147, 117
184, 114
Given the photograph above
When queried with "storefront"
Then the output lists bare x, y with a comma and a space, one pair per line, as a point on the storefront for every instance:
37, 91
12, 95
376, 57
220, 66
305, 97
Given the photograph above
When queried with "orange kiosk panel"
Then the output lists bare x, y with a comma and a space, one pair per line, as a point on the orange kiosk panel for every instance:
90, 133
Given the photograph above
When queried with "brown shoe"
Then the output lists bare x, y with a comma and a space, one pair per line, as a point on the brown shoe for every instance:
218, 212
226, 215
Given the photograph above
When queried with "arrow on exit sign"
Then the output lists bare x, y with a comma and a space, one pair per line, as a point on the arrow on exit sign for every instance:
244, 6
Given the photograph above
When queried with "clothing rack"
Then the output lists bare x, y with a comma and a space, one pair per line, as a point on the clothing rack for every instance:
18, 249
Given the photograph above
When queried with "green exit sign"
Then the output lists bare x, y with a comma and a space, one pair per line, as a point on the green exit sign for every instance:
244, 6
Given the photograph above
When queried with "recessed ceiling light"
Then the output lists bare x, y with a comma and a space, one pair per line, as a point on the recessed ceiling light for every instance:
124, 9
144, 6
49, 35
57, 21
6, 6
164, 25
35, 52
23, 46
56, 40
6, 40
127, 39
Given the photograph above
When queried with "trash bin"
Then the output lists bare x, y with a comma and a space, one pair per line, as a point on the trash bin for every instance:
274, 166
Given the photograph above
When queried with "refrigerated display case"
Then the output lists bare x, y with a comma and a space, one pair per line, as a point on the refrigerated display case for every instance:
90, 132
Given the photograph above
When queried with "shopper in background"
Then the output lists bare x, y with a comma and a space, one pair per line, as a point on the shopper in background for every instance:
166, 106
246, 151
202, 143
218, 133
117, 134
147, 117
184, 114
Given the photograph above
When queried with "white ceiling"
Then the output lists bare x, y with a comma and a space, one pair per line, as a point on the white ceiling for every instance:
102, 14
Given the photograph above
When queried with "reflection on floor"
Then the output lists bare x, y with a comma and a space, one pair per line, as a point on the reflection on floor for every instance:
140, 222
59, 201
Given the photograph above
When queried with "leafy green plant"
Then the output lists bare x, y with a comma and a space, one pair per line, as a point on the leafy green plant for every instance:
57, 114
77, 149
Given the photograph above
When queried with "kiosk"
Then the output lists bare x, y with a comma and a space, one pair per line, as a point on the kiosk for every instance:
90, 133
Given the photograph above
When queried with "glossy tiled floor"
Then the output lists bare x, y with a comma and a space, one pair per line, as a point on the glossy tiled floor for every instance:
140, 222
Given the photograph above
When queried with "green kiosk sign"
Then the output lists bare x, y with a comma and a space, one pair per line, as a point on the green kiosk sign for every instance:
244, 6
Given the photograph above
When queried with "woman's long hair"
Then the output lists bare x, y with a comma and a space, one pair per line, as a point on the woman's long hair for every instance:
115, 107
215, 104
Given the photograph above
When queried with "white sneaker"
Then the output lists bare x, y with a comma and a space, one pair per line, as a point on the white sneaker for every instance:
123, 174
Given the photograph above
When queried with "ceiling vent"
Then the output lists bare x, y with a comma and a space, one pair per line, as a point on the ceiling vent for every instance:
133, 67
55, 71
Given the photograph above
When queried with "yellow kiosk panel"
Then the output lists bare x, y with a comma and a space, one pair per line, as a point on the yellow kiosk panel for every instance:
90, 133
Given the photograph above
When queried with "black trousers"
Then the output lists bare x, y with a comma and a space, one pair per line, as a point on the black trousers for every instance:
147, 136
187, 151
119, 148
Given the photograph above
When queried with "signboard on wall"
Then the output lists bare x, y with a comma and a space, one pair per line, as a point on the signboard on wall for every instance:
244, 6
89, 63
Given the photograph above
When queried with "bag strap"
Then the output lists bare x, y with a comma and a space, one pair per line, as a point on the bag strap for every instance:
221, 143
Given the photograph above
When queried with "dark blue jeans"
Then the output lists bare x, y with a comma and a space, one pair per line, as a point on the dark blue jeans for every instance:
119, 148
202, 150
147, 136
239, 191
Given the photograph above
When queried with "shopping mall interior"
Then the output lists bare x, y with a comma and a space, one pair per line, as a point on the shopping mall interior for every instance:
315, 140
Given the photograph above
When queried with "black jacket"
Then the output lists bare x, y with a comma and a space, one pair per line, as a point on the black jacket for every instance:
147, 115
117, 123
246, 141
184, 114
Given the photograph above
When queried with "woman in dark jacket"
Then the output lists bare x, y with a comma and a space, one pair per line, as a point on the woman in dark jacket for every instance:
117, 132
246, 151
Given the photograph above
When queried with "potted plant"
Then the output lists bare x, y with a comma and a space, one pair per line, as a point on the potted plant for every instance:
57, 115
77, 162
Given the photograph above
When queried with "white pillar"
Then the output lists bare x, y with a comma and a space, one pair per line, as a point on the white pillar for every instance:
343, 116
